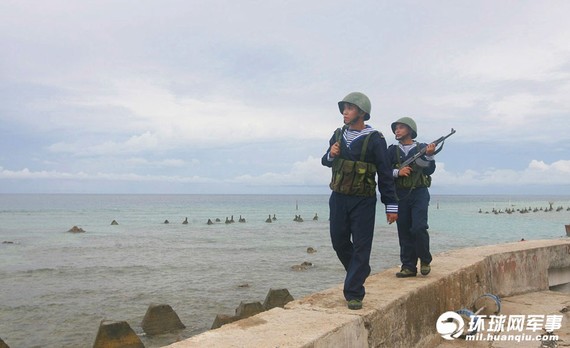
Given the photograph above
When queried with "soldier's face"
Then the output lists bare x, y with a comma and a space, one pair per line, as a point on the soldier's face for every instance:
401, 131
350, 113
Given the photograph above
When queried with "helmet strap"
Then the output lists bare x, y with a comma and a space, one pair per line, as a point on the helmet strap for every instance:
354, 120
360, 115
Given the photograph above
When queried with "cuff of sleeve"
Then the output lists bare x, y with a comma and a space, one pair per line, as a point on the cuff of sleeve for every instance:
391, 208
395, 172
329, 158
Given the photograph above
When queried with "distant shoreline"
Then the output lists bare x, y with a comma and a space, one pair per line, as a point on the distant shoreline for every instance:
518, 195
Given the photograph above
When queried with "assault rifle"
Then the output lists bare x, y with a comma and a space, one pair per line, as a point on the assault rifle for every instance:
416, 158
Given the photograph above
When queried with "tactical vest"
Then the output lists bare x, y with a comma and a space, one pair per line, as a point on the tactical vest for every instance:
416, 179
357, 178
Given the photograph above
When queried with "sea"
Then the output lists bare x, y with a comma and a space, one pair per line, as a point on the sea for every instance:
57, 286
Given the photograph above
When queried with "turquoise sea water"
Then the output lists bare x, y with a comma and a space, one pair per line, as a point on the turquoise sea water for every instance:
56, 287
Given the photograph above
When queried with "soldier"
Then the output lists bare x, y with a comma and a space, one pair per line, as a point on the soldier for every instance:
357, 153
412, 184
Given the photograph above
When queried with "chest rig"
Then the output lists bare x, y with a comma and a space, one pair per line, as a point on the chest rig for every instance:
416, 179
356, 178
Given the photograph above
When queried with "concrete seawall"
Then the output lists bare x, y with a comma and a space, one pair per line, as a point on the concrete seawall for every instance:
400, 312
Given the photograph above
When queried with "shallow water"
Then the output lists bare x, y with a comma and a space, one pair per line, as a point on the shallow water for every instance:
57, 286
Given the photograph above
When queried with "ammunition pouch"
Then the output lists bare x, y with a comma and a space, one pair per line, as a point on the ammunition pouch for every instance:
354, 178
416, 179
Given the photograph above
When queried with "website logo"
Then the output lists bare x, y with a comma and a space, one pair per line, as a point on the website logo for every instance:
450, 325
498, 327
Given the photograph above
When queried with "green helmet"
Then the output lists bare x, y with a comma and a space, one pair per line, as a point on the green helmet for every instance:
358, 99
408, 121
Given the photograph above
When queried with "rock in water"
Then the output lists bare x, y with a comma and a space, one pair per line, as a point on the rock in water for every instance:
76, 229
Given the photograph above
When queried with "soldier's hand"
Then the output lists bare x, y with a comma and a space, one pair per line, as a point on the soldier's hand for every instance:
430, 149
404, 171
391, 217
335, 150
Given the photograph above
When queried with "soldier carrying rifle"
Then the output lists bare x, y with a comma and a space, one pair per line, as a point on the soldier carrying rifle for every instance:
413, 164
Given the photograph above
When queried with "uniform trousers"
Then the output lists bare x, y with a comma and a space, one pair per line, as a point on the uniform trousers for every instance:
351, 229
413, 227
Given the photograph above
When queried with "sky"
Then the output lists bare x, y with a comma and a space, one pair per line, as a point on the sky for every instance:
240, 97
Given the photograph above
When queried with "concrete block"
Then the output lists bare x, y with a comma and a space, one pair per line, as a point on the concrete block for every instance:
277, 298
558, 276
222, 319
159, 319
248, 309
285, 328
116, 334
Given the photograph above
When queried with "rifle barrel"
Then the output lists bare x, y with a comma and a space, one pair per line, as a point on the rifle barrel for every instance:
423, 151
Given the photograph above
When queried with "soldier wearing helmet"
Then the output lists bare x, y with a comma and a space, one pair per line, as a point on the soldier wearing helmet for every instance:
358, 155
412, 184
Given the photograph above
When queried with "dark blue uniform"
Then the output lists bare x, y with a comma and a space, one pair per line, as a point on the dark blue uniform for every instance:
412, 208
352, 217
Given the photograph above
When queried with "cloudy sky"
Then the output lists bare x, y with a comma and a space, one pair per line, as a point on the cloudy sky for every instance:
224, 96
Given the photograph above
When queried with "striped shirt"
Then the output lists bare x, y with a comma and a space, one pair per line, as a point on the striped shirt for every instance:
352, 134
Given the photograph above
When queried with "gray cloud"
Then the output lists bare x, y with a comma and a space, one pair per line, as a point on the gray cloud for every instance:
237, 92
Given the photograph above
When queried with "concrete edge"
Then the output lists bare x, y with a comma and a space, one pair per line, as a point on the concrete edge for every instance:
397, 312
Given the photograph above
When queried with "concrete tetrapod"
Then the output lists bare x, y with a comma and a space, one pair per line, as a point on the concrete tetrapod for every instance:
159, 319
116, 334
